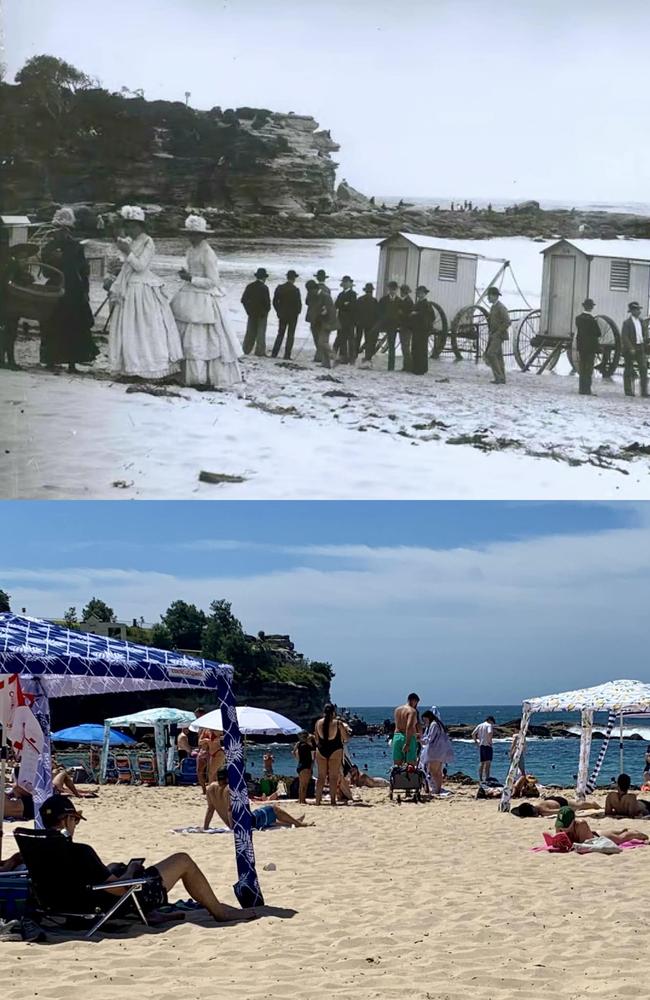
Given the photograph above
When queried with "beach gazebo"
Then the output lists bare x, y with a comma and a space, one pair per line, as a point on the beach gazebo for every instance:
618, 698
55, 662
158, 719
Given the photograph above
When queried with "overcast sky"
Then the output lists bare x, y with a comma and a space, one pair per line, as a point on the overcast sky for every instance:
499, 98
466, 603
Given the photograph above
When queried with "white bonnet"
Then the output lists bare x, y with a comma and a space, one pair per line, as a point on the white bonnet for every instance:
132, 213
63, 217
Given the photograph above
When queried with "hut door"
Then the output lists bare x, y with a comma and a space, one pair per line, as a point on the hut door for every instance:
396, 265
560, 319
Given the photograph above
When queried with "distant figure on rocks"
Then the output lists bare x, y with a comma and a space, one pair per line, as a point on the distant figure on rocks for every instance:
421, 324
256, 301
498, 324
587, 344
346, 302
210, 349
389, 319
366, 316
634, 341
287, 303
405, 310
66, 335
143, 337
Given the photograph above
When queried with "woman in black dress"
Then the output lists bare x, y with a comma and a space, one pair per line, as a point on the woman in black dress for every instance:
421, 323
66, 336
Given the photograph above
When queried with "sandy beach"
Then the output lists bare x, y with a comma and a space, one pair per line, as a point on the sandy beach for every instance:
443, 900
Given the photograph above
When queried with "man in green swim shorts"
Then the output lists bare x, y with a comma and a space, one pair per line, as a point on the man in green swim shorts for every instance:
407, 726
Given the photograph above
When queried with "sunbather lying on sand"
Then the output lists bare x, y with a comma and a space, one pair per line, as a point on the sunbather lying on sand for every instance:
362, 780
60, 815
550, 806
578, 830
218, 798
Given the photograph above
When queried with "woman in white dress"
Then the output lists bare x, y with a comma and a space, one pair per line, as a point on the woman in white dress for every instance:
210, 348
143, 337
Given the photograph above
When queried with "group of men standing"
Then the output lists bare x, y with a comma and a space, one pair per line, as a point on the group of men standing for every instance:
634, 347
357, 320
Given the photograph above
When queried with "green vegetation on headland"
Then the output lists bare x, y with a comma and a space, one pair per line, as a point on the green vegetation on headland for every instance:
250, 171
267, 669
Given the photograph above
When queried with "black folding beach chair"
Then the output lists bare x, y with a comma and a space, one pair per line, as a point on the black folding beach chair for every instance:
53, 880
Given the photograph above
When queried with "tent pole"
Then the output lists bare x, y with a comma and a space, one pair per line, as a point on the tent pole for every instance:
3, 764
506, 795
620, 745
586, 724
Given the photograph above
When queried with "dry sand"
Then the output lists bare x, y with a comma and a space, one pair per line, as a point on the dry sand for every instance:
442, 900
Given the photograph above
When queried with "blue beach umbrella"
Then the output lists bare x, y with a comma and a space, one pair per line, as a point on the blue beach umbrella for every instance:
91, 733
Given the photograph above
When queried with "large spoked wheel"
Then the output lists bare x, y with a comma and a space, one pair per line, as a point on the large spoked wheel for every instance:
610, 347
469, 328
534, 352
440, 330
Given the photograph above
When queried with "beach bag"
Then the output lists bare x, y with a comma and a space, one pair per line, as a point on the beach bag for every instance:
597, 845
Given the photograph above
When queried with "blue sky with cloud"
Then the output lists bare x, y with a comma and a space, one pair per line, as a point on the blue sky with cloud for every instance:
468, 602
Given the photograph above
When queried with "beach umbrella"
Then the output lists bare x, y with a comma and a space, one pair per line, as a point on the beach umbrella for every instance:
94, 734
252, 722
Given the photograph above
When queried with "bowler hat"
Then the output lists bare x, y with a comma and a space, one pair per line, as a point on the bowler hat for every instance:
588, 304
493, 290
393, 284
633, 305
422, 288
261, 273
292, 274
321, 275
369, 287
346, 277
404, 288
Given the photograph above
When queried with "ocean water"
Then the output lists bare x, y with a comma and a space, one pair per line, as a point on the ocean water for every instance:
554, 762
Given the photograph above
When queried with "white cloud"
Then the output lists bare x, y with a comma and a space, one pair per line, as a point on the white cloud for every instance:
466, 624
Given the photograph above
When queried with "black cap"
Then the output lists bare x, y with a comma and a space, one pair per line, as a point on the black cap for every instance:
493, 290
588, 304
56, 807
422, 288
261, 273
292, 274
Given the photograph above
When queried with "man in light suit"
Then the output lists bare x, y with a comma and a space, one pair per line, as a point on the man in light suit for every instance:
498, 324
633, 345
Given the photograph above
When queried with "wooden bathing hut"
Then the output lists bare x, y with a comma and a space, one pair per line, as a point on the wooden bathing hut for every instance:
449, 271
611, 272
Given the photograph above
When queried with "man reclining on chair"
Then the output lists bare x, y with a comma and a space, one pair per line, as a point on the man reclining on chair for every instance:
60, 816
218, 798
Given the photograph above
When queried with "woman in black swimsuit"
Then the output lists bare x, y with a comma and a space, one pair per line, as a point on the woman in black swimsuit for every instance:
330, 735
304, 754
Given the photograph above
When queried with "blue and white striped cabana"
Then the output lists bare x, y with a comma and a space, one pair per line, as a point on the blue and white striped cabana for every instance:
56, 662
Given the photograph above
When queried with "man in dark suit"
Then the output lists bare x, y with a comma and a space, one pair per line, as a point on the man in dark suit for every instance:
287, 303
346, 302
406, 308
587, 344
634, 345
256, 300
366, 316
421, 323
390, 311
498, 325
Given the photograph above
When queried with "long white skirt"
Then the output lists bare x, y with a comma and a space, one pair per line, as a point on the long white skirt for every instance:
143, 337
211, 354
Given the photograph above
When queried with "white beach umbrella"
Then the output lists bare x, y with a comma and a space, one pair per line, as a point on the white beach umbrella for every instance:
252, 722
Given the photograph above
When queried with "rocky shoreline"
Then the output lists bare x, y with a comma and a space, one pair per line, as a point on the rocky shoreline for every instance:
548, 731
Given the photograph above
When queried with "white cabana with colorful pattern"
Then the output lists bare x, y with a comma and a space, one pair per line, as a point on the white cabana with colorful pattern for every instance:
620, 698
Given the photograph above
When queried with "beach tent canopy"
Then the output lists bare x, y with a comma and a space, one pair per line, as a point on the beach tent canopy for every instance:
618, 698
93, 734
252, 722
158, 719
54, 662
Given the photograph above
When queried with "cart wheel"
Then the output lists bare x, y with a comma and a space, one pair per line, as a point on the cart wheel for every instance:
470, 328
610, 342
529, 354
440, 330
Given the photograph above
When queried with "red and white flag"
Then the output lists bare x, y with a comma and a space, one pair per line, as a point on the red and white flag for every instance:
21, 726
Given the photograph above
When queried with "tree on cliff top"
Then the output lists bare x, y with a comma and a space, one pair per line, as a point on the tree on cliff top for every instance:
99, 609
49, 83
4, 601
185, 624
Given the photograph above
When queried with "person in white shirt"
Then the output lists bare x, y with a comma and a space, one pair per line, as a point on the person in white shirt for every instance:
483, 736
633, 345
